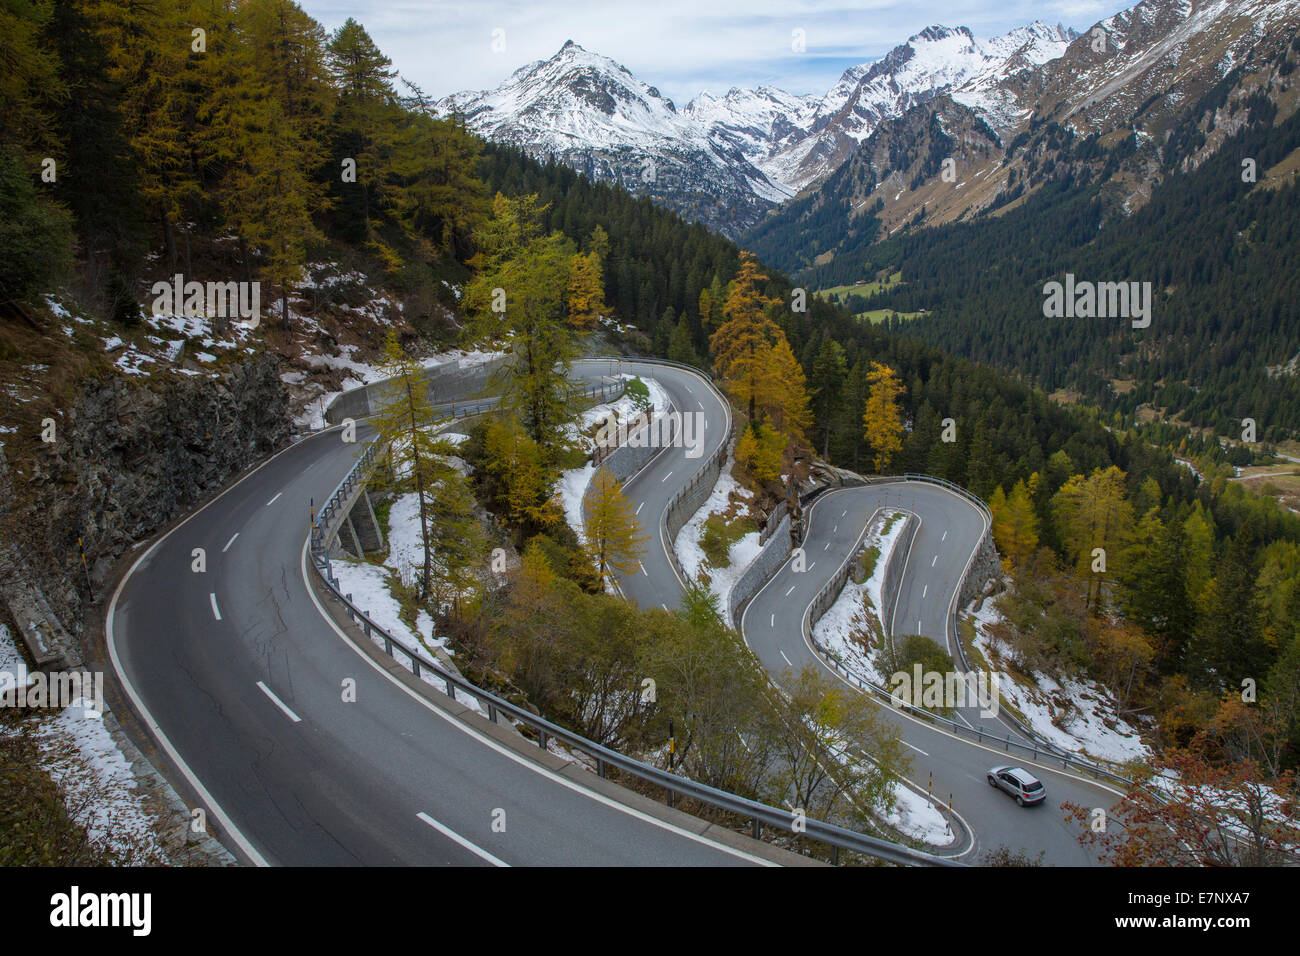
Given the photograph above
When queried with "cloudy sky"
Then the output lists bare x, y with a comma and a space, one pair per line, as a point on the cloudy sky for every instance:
680, 46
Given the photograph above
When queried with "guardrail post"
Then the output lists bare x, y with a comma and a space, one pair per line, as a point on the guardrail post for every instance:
756, 828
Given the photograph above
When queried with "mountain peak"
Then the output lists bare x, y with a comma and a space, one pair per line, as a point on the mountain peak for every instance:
938, 32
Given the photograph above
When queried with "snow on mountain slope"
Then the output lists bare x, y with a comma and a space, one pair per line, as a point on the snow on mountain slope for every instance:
935, 61
576, 97
591, 113
725, 160
1156, 48
797, 140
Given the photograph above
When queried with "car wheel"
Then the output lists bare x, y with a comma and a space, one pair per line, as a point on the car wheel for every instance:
1020, 800
992, 782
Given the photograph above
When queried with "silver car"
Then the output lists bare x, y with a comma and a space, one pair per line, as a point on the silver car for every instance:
1021, 784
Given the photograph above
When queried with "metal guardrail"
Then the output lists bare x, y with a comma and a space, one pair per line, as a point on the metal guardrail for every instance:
710, 472
758, 814
931, 479
953, 624
1037, 748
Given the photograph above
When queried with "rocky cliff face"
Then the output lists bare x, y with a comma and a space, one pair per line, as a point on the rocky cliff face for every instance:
129, 458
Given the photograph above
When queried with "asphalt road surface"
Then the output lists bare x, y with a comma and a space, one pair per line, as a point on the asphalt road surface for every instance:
241, 676
949, 531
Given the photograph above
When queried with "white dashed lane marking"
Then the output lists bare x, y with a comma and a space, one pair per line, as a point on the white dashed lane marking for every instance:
451, 834
230, 542
216, 611
279, 703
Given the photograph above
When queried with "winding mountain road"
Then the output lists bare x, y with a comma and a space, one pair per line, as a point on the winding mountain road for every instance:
241, 675
949, 532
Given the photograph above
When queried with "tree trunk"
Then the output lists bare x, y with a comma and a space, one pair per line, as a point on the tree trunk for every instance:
169, 243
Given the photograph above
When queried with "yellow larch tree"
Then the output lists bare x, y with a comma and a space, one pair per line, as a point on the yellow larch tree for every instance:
585, 296
742, 344
882, 421
613, 537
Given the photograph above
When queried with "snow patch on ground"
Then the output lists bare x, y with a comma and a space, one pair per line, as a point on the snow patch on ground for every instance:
743, 552
573, 483
82, 758
918, 818
623, 409
1074, 714
834, 629
368, 585
572, 489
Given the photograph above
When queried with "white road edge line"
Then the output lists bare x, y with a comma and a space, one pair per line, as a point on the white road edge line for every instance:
916, 788
451, 834
908, 717
511, 754
150, 722
230, 542
279, 703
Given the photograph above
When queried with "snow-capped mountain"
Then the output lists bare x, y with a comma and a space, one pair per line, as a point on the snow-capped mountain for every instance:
592, 114
760, 123
936, 61
1142, 95
726, 159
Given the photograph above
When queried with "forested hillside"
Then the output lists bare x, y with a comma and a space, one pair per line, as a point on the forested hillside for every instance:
230, 140
1218, 244
265, 145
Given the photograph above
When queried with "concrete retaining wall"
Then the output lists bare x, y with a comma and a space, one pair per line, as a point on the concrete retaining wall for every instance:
760, 570
625, 461
692, 498
894, 565
450, 380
